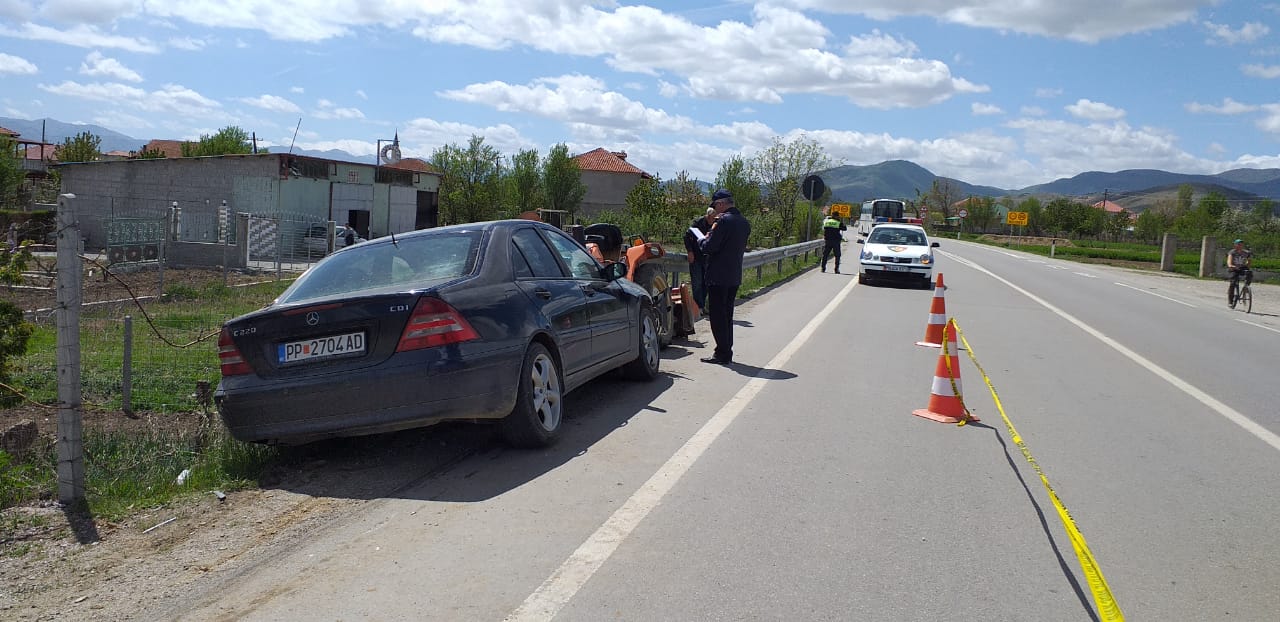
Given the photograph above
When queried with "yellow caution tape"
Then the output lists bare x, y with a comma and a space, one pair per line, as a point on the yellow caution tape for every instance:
1108, 609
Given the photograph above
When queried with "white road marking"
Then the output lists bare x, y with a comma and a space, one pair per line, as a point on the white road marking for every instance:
1138, 289
554, 593
1087, 275
1227, 412
1258, 325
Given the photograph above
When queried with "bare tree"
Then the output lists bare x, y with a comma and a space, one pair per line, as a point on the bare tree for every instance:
780, 168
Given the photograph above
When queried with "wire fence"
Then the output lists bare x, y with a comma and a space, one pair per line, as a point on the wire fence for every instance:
141, 351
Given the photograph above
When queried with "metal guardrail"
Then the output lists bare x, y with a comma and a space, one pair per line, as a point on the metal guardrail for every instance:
676, 264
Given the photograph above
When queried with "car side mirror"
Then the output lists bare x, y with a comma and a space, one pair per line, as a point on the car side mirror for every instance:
935, 245
613, 271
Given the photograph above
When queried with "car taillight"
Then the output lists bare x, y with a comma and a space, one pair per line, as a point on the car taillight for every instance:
233, 363
434, 323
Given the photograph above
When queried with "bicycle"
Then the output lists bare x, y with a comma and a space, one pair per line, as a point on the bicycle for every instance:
1241, 295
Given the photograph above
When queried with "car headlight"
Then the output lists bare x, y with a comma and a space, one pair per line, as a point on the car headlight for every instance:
867, 255
926, 259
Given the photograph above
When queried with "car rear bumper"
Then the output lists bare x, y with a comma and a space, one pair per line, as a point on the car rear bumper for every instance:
372, 402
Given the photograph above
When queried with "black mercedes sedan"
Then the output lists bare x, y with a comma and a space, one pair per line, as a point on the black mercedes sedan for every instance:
483, 321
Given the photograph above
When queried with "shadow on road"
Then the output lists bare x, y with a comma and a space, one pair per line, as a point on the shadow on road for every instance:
1044, 523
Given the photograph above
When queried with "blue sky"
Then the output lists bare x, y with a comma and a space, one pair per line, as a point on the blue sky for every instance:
1007, 93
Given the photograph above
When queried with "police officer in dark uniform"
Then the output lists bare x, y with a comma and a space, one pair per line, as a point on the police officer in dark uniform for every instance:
831, 228
724, 246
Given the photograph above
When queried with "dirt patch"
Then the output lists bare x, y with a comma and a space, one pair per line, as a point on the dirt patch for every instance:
1026, 240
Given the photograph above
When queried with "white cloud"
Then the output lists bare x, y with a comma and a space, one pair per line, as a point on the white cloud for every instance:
297, 89
80, 36
1093, 111
97, 65
1270, 122
274, 103
361, 94
1033, 111
328, 110
117, 120
1048, 93
1269, 72
667, 89
16, 65
88, 11
1064, 149
1088, 21
171, 98
1229, 106
1216, 148
1225, 35
981, 109
423, 136
187, 43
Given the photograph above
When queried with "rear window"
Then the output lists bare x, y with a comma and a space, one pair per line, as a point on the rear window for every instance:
413, 262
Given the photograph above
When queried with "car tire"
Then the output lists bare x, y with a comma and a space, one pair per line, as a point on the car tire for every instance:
648, 276
645, 365
863, 279
536, 419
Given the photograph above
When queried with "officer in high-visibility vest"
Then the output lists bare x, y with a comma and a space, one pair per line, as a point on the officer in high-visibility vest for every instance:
831, 228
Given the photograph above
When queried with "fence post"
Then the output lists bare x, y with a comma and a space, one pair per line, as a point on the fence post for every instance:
1208, 256
70, 440
126, 368
1167, 252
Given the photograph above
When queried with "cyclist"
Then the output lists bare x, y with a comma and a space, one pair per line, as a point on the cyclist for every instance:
1239, 259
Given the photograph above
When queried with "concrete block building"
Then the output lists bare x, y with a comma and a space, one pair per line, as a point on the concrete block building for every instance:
293, 190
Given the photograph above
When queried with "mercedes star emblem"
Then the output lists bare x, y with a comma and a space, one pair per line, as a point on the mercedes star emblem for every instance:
313, 318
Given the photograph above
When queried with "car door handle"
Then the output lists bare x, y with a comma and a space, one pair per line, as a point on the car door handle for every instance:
544, 294
587, 289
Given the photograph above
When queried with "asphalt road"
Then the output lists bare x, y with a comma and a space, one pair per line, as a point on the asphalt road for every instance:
796, 485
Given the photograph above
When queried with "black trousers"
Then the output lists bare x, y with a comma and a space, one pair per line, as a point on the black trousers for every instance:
720, 302
827, 250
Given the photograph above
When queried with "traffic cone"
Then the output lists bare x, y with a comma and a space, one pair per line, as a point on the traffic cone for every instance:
945, 403
937, 317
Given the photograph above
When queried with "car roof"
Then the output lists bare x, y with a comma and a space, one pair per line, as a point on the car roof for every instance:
900, 225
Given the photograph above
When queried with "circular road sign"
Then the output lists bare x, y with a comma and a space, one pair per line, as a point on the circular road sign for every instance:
812, 187
964, 213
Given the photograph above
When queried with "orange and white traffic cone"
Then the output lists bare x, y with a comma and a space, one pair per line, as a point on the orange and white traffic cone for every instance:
937, 317
945, 404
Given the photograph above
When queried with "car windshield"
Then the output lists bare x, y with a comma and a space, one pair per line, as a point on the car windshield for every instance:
902, 237
412, 262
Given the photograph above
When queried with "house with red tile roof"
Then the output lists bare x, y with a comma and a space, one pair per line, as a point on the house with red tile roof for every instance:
608, 178
1109, 206
170, 148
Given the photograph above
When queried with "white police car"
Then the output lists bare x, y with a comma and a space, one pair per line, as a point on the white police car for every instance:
896, 251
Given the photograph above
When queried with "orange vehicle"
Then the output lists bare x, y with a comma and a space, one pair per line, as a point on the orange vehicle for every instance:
673, 306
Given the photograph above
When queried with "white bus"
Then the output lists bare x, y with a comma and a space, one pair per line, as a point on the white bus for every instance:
879, 210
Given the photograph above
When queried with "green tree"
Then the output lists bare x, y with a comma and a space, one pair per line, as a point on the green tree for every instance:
1183, 203
11, 173
83, 147
1263, 217
647, 209
780, 168
1151, 225
1035, 215
230, 140
14, 329
562, 181
1116, 224
982, 212
523, 184
470, 184
942, 197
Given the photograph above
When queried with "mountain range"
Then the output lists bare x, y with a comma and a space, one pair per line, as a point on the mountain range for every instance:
1134, 189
